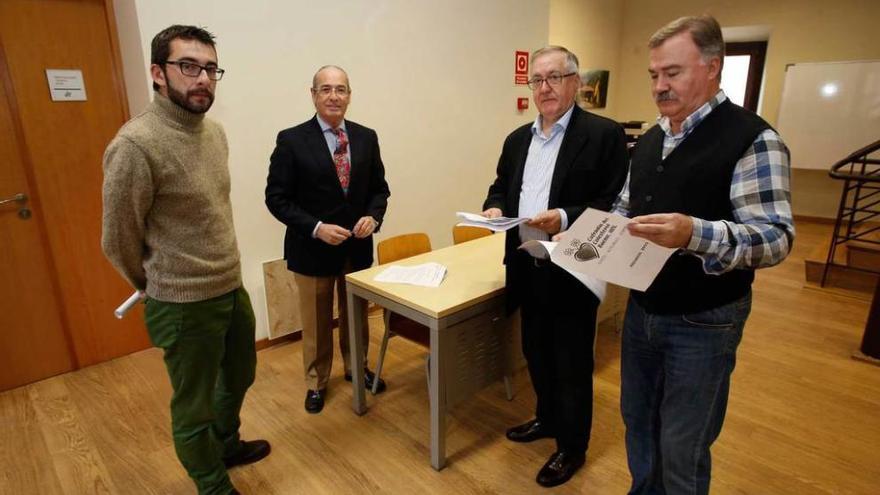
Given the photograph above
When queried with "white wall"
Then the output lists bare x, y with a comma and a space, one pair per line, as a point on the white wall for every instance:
592, 30
435, 79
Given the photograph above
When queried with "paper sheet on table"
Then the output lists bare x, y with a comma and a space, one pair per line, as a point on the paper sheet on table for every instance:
543, 249
425, 275
599, 244
499, 224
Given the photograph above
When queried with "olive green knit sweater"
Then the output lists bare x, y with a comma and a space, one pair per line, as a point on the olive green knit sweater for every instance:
167, 224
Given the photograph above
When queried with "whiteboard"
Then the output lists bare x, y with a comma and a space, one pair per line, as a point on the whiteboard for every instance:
828, 110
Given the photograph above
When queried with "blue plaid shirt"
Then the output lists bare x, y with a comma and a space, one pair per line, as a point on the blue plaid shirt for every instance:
760, 197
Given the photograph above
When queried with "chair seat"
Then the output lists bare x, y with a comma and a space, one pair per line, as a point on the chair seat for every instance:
410, 330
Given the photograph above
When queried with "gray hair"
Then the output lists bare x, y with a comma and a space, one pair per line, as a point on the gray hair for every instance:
571, 60
315, 77
704, 30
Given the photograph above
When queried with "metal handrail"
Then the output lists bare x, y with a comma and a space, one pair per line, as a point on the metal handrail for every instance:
854, 158
860, 186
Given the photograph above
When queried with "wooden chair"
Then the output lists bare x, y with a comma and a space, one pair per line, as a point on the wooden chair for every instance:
402, 246
463, 233
388, 251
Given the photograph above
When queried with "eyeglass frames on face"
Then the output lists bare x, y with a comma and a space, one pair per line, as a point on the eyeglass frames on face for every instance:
191, 69
552, 80
326, 90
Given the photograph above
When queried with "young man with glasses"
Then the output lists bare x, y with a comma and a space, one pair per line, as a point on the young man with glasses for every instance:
327, 185
551, 170
167, 228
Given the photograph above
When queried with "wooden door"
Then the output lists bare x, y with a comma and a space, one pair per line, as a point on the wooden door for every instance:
33, 340
62, 143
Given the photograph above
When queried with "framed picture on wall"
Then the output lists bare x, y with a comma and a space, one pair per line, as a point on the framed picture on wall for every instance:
594, 89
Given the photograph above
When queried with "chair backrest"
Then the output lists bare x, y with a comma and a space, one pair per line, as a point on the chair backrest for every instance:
462, 233
402, 246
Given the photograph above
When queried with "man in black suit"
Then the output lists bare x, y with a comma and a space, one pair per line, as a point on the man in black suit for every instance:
327, 185
551, 171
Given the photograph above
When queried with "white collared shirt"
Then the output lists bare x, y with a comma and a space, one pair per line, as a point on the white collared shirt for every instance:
538, 175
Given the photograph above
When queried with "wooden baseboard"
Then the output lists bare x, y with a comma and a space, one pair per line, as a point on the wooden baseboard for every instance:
808, 218
266, 343
295, 336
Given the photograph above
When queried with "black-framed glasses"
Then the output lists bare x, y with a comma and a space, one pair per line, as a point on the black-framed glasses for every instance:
552, 80
191, 69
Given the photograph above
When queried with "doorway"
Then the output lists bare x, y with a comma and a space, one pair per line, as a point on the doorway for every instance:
58, 292
743, 71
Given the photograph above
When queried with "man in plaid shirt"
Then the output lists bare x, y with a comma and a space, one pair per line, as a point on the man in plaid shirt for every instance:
711, 179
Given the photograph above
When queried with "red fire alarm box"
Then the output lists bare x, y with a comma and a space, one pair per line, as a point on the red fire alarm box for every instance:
522, 103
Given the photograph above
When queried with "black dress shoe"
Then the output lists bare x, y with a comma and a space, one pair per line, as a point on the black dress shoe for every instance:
315, 400
529, 432
248, 453
560, 468
369, 378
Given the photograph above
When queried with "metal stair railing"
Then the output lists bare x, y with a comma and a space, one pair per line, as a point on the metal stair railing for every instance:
859, 202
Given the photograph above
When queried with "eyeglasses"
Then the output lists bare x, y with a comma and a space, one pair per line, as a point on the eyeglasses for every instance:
190, 69
552, 80
326, 90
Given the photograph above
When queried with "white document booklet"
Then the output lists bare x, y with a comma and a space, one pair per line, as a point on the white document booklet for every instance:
499, 224
543, 249
599, 245
425, 275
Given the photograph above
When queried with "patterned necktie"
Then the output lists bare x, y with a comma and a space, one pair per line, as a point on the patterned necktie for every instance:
340, 159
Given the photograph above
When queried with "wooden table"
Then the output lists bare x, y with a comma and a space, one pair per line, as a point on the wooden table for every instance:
472, 341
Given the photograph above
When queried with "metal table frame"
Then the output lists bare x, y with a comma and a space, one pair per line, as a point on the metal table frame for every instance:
472, 341
357, 298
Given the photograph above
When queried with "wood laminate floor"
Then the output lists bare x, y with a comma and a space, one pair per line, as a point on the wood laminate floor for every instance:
804, 418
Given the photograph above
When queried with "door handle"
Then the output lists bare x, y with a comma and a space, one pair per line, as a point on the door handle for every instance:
20, 198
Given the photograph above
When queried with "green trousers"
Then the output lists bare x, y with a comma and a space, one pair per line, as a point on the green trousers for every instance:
211, 359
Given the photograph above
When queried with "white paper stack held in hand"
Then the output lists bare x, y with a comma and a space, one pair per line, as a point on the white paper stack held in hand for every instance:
425, 275
499, 224
599, 245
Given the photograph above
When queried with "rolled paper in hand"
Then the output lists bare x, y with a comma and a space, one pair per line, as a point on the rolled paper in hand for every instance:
129, 303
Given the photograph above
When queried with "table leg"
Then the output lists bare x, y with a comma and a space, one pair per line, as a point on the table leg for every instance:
437, 392
356, 309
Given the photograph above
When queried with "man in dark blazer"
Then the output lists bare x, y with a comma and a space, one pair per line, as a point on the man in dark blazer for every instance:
551, 171
327, 185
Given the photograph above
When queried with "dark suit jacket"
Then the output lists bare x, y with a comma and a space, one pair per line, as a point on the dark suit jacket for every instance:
590, 171
303, 188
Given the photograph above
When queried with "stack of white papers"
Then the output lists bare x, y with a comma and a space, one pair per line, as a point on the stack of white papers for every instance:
425, 275
499, 224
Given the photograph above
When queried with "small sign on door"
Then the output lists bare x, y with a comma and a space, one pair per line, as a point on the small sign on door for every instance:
66, 85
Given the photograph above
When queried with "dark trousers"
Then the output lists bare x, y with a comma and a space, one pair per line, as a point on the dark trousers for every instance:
558, 331
211, 359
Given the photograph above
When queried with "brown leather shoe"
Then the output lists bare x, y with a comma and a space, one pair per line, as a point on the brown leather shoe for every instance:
560, 468
248, 452
529, 432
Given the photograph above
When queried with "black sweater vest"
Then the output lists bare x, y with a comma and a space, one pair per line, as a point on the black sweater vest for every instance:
694, 180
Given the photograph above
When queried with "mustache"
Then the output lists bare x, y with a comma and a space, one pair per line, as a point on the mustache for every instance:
200, 92
667, 95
